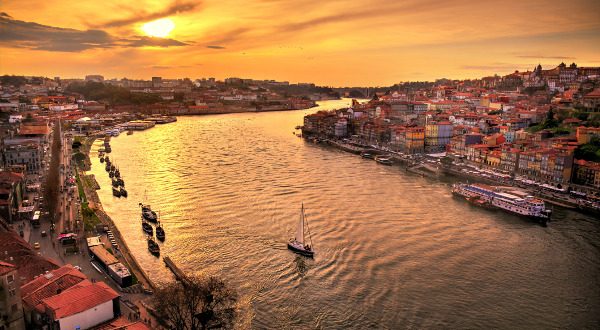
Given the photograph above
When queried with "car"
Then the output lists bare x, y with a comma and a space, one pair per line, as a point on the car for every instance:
44, 233
36, 245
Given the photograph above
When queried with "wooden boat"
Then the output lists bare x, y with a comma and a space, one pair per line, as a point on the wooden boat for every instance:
147, 228
147, 213
153, 247
116, 192
160, 233
123, 192
115, 183
296, 244
101, 159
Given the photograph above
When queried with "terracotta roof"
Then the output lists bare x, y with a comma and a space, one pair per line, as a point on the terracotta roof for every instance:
50, 284
34, 130
79, 299
18, 252
5, 267
593, 94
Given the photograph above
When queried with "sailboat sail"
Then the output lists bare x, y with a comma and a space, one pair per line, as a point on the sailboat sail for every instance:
300, 230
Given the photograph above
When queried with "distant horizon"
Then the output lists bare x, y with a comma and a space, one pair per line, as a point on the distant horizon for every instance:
340, 43
544, 66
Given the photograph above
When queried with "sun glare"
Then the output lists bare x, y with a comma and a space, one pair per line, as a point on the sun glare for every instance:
159, 28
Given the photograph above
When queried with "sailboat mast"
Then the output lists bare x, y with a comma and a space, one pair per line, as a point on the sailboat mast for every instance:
308, 228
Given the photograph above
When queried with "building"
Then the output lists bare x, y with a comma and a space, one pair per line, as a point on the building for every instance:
28, 154
45, 286
156, 82
586, 173
11, 307
11, 194
82, 306
585, 134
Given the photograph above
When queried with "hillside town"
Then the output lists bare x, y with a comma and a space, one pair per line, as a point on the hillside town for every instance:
538, 128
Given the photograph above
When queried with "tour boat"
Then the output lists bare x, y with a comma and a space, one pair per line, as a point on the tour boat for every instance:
160, 232
493, 197
147, 228
296, 244
153, 246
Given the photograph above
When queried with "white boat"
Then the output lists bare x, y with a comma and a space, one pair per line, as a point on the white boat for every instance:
484, 195
297, 243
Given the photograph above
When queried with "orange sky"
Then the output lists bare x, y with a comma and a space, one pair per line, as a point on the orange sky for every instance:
337, 43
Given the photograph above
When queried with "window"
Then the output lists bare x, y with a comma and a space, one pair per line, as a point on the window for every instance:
12, 292
10, 278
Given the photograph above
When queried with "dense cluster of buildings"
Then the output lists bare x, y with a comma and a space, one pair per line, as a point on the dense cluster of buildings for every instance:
174, 96
531, 131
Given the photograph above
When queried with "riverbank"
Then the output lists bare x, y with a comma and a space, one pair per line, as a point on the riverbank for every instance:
94, 204
419, 164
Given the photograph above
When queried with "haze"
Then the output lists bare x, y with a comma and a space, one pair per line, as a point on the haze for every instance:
337, 43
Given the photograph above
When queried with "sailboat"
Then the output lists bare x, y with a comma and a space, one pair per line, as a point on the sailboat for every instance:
296, 244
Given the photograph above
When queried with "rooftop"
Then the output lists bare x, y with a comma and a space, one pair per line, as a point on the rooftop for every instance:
79, 298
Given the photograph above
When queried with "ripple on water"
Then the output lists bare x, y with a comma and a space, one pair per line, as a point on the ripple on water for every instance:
393, 250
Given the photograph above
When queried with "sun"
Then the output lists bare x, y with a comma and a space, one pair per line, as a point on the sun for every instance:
159, 28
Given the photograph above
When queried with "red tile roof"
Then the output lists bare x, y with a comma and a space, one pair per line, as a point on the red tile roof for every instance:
79, 299
18, 252
5, 267
34, 130
50, 284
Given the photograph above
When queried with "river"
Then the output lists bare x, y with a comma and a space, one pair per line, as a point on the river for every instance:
393, 250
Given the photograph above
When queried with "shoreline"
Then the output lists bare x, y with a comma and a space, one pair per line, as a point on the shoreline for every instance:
92, 196
422, 169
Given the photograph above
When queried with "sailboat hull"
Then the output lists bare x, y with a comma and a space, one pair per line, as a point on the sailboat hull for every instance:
299, 248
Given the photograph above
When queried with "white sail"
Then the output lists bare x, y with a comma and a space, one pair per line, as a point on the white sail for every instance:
300, 230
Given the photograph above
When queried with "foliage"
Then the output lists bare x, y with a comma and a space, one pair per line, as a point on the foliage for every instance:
112, 94
196, 303
356, 94
13, 80
589, 151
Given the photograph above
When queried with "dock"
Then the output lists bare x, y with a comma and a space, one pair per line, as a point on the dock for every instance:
179, 274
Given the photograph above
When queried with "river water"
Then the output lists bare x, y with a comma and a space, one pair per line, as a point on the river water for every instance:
393, 250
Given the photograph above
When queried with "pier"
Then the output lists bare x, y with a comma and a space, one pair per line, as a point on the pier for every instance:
179, 274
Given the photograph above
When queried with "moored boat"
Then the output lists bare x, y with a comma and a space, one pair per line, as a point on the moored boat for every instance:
153, 247
297, 243
147, 213
384, 160
147, 228
116, 192
123, 192
160, 232
494, 197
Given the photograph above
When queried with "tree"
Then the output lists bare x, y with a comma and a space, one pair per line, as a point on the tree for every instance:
196, 303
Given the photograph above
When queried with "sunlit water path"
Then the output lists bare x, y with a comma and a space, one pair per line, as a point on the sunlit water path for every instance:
393, 249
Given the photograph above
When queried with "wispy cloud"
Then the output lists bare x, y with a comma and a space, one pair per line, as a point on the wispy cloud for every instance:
31, 35
215, 47
176, 7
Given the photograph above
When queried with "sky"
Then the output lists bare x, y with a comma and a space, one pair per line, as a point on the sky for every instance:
327, 42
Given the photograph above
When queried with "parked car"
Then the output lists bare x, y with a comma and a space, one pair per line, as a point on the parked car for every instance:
36, 245
44, 233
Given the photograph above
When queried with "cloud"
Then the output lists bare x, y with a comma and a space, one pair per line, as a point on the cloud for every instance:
549, 57
175, 7
215, 47
31, 35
